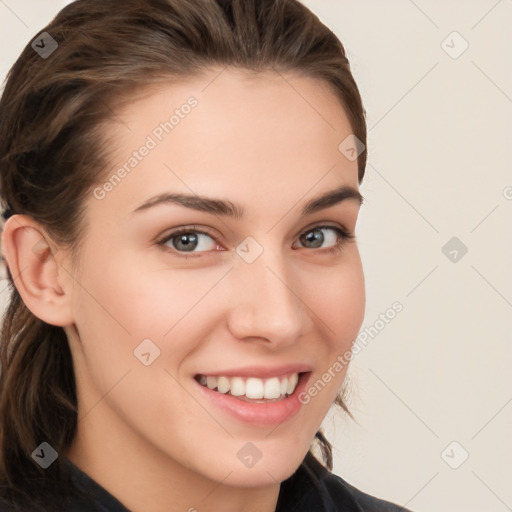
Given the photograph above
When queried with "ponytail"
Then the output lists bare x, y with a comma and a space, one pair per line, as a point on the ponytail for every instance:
37, 404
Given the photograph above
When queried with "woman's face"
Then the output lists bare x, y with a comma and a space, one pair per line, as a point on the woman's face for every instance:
244, 301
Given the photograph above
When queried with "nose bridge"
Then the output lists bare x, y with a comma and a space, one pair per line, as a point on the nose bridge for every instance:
265, 302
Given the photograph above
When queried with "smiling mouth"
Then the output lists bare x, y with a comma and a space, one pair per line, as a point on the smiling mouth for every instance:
252, 389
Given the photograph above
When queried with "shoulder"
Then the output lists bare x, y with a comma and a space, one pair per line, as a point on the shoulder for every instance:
314, 488
339, 489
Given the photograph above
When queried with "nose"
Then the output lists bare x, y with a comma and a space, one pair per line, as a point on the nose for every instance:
266, 302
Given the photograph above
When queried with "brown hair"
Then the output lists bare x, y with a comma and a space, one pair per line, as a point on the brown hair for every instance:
52, 153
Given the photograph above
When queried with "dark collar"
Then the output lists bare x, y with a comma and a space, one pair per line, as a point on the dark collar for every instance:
312, 487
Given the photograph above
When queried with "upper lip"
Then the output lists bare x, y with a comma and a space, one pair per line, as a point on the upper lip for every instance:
261, 372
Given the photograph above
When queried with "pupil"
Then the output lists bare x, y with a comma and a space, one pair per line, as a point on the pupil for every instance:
185, 239
315, 235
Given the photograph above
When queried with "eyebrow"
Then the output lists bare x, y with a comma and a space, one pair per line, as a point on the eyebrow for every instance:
229, 209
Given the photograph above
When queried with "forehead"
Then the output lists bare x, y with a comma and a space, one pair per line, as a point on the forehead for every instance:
260, 137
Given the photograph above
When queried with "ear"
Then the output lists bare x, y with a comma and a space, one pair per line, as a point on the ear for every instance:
44, 287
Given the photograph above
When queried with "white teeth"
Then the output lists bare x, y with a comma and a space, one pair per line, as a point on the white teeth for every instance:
272, 388
252, 387
284, 386
223, 384
237, 386
292, 382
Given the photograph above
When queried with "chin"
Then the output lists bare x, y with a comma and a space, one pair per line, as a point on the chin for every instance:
252, 478
271, 469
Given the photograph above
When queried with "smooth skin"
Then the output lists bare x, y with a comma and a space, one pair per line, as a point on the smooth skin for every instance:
269, 143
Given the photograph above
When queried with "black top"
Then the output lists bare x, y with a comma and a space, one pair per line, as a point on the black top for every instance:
312, 488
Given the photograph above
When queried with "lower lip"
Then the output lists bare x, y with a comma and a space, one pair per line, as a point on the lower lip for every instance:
264, 414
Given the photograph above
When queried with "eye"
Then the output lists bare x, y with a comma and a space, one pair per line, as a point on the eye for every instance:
339, 236
185, 240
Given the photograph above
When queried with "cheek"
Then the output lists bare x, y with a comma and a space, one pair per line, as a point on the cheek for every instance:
340, 304
115, 310
338, 298
122, 309
126, 298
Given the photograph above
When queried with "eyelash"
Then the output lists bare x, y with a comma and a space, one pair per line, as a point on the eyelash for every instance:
344, 236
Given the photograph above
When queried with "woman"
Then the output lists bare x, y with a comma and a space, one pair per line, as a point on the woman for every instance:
180, 184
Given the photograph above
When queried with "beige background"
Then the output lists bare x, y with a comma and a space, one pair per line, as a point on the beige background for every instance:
434, 384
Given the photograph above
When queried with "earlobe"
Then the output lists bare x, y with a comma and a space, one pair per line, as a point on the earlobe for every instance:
30, 255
